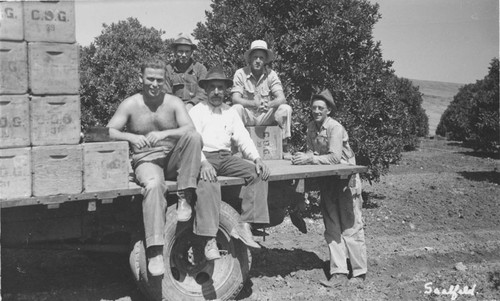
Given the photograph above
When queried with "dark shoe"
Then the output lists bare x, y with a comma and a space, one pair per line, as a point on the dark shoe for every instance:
335, 281
357, 281
155, 261
243, 232
211, 249
298, 221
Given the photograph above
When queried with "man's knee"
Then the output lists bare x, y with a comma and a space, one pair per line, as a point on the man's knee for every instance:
283, 111
155, 184
192, 137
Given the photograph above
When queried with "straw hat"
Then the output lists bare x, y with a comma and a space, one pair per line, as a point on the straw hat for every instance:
259, 45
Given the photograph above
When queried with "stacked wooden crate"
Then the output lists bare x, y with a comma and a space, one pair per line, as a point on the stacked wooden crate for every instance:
40, 117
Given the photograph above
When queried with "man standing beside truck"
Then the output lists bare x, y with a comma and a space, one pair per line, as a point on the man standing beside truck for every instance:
165, 146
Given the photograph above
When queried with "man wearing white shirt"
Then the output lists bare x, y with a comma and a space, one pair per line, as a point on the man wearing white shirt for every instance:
220, 126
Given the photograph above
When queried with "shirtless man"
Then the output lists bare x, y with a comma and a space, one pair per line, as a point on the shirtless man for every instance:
165, 146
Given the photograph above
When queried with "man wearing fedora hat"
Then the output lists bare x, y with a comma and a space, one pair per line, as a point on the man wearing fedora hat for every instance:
219, 126
183, 75
341, 200
257, 93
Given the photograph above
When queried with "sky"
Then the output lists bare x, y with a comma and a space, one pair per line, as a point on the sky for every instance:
438, 40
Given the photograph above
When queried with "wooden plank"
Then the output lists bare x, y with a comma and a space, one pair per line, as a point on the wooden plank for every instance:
280, 170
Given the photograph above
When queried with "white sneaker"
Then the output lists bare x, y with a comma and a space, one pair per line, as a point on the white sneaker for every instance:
156, 266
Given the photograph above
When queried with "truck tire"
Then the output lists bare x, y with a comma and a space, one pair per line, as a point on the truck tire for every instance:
188, 275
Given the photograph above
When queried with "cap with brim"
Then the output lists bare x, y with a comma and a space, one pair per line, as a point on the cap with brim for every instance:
326, 96
215, 73
183, 40
259, 45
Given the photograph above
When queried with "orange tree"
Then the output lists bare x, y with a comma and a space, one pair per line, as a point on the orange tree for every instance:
323, 44
472, 117
110, 66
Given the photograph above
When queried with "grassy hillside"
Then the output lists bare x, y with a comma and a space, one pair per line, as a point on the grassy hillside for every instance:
437, 96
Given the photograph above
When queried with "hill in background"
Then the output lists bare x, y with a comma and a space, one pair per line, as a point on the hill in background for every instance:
436, 98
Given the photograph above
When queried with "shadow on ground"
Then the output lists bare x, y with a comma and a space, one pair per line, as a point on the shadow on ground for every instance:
279, 262
482, 176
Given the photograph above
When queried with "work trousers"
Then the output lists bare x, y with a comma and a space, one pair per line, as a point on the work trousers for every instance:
282, 116
341, 203
152, 168
254, 207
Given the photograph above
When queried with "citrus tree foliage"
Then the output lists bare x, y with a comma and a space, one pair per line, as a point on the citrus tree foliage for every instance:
472, 116
110, 67
323, 44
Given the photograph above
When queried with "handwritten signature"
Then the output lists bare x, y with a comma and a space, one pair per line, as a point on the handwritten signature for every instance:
454, 291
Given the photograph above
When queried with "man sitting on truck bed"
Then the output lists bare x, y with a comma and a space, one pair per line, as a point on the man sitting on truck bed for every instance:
165, 146
219, 125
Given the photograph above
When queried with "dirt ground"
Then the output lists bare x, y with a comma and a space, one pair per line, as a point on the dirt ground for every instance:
431, 223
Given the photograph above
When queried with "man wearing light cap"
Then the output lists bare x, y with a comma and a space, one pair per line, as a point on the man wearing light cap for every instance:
183, 75
257, 92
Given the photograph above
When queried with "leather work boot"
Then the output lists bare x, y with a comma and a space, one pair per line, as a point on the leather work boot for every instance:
335, 281
357, 281
184, 209
155, 261
243, 232
211, 249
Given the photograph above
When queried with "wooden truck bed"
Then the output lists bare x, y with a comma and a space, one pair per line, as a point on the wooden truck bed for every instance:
280, 170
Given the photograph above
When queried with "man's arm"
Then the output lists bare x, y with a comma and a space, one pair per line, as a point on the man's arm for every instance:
201, 73
118, 122
237, 98
278, 99
276, 88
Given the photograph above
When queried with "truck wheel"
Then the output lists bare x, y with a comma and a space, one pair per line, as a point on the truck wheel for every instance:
188, 275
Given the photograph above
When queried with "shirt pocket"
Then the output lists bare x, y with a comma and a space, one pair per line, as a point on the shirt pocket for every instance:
265, 93
322, 142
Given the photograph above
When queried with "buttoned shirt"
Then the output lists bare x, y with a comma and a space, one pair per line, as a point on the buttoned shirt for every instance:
219, 127
250, 87
329, 143
184, 83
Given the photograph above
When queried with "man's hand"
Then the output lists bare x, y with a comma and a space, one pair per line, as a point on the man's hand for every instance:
139, 141
262, 169
155, 137
264, 105
207, 172
300, 158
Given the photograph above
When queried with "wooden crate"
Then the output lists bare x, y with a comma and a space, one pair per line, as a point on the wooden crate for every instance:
14, 121
105, 166
268, 141
13, 67
55, 120
49, 21
15, 173
57, 169
11, 21
53, 68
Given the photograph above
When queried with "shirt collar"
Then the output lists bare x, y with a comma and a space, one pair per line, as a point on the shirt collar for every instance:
249, 74
189, 65
215, 110
323, 127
